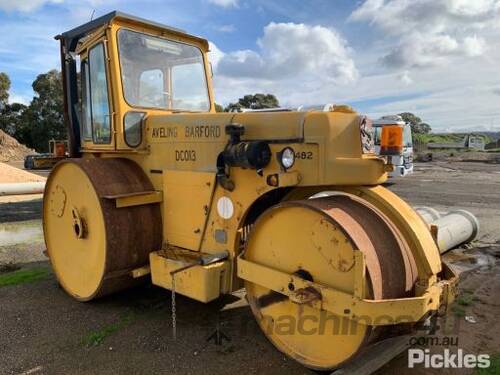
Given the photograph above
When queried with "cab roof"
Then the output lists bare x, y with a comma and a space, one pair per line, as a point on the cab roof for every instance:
72, 36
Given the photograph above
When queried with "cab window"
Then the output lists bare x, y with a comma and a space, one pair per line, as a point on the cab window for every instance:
99, 101
161, 73
152, 89
86, 119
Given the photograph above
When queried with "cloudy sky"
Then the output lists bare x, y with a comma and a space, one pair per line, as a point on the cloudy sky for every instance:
437, 58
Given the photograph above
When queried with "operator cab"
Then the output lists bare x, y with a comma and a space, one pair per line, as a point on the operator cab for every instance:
118, 69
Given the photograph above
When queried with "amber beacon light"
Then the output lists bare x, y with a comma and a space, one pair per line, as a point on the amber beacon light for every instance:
392, 140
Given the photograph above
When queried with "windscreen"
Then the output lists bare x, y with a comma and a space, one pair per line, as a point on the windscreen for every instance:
161, 73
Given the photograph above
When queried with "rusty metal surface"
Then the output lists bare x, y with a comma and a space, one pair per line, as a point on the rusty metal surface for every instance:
128, 245
391, 268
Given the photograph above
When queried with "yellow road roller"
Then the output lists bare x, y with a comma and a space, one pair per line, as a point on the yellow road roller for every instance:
287, 204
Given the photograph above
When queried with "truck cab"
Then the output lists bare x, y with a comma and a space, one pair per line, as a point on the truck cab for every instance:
403, 164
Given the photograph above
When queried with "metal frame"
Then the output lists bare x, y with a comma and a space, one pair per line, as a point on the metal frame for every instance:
353, 306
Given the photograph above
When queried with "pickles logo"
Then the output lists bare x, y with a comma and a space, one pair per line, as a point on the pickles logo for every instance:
447, 359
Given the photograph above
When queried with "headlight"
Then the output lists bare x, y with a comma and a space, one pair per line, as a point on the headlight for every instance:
287, 157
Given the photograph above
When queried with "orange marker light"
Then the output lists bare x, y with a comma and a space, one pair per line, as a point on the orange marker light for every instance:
391, 142
60, 149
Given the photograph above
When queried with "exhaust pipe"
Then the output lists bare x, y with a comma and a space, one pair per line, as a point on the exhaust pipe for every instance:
22, 188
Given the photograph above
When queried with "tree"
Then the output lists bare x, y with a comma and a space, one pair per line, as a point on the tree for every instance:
256, 101
424, 128
11, 118
417, 126
10, 114
4, 89
43, 120
219, 108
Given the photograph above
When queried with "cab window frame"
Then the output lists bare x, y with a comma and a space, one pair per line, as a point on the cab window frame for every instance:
109, 139
170, 39
85, 103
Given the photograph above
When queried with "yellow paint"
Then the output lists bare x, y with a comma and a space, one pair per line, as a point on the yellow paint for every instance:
79, 263
402, 310
284, 241
139, 199
202, 283
186, 206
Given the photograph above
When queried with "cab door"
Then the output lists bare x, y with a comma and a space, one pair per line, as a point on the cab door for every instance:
97, 125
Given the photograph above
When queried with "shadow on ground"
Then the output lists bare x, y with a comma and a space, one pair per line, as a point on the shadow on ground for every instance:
20, 211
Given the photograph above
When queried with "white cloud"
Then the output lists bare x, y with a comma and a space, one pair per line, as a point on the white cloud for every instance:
405, 78
474, 46
226, 28
402, 16
25, 5
225, 3
296, 52
430, 32
214, 55
421, 50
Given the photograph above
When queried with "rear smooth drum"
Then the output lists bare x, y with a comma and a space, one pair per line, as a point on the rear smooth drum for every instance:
93, 245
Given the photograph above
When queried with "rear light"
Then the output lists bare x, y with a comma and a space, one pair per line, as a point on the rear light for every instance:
391, 142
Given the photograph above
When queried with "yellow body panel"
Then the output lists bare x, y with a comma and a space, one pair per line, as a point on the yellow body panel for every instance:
202, 283
185, 208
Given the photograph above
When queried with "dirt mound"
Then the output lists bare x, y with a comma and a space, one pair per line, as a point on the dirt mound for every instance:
13, 174
11, 149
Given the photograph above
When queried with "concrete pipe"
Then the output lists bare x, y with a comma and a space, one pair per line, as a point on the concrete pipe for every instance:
429, 214
22, 188
455, 228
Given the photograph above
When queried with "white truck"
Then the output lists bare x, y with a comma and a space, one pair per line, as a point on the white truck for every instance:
403, 164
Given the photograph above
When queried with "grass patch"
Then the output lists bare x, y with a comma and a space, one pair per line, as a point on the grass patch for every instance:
97, 337
465, 299
24, 276
458, 311
494, 366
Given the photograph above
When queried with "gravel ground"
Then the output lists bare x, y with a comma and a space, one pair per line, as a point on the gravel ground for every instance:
43, 331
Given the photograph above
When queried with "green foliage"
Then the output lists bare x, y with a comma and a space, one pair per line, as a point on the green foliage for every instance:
43, 120
4, 89
494, 368
24, 276
447, 137
11, 118
9, 113
256, 101
97, 337
458, 310
417, 126
219, 108
465, 299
